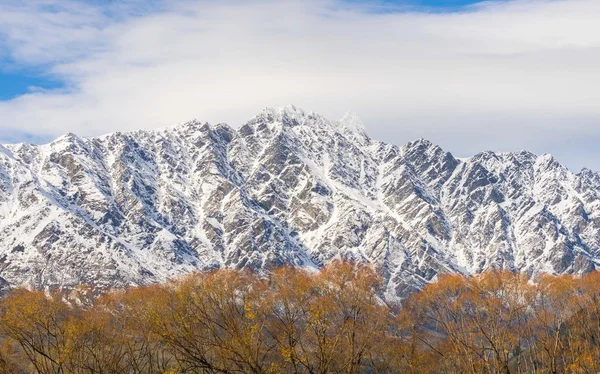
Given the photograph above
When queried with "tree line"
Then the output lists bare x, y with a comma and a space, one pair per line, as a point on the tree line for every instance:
298, 321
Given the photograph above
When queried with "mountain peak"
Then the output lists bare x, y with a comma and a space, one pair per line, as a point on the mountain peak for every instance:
67, 137
69, 141
352, 122
420, 145
547, 161
288, 115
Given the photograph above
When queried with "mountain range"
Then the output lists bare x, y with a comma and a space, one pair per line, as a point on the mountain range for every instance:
288, 187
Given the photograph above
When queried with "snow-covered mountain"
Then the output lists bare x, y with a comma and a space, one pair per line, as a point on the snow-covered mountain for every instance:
288, 187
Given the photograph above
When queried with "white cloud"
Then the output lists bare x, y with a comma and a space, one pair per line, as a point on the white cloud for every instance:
500, 75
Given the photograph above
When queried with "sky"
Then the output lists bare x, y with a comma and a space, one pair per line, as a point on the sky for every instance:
470, 76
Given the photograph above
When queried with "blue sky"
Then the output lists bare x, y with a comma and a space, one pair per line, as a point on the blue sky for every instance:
16, 82
446, 5
497, 75
441, 3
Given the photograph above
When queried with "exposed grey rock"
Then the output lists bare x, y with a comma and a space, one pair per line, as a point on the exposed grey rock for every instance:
288, 187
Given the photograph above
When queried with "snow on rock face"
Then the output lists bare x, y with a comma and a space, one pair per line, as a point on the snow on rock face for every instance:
288, 187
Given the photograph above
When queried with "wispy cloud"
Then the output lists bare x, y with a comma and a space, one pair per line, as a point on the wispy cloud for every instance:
498, 75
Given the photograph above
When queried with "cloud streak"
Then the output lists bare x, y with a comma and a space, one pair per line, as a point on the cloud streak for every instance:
498, 75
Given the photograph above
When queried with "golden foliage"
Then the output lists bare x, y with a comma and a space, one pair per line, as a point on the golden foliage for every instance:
296, 321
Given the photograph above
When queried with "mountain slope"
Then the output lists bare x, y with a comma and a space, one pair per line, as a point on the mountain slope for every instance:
288, 187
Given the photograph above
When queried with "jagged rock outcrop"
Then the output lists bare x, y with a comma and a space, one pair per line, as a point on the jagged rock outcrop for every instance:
288, 187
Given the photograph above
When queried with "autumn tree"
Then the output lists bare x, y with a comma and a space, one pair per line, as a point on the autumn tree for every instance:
288, 303
299, 321
38, 324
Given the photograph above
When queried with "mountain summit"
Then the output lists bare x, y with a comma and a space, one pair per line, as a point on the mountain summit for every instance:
288, 187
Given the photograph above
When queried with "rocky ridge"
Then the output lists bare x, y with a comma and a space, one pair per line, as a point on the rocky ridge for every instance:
288, 187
